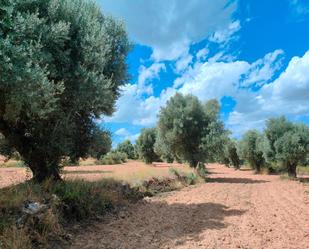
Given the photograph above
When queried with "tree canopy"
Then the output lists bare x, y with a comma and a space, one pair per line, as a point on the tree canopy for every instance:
61, 65
101, 143
145, 145
126, 147
249, 149
190, 130
275, 129
181, 126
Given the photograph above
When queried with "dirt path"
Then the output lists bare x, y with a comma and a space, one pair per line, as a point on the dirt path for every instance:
236, 209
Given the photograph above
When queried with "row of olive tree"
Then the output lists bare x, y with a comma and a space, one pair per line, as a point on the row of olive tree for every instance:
187, 131
282, 142
61, 65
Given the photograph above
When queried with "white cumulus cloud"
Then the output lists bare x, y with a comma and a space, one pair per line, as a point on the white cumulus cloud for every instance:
169, 27
286, 95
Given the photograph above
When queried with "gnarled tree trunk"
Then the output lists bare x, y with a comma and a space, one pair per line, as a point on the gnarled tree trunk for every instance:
292, 170
42, 165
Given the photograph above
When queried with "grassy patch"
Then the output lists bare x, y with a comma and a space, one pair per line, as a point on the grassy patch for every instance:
67, 202
303, 170
113, 157
13, 164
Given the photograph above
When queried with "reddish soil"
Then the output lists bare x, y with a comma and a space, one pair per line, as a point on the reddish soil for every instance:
11, 176
235, 209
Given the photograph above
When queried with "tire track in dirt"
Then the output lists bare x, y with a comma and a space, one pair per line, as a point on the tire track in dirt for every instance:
235, 209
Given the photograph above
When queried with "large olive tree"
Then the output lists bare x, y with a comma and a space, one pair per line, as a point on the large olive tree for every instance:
293, 147
274, 130
145, 145
101, 143
249, 149
231, 155
61, 65
215, 137
190, 130
182, 125
162, 149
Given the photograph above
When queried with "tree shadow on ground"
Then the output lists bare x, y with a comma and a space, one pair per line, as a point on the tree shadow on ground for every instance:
157, 224
234, 180
303, 179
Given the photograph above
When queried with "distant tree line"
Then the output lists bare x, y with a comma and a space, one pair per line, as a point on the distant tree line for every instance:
192, 132
282, 144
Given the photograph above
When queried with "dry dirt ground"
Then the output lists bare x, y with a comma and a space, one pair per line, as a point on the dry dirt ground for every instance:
11, 176
235, 209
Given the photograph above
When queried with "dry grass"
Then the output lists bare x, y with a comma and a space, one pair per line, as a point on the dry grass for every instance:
15, 239
132, 172
303, 170
11, 164
67, 202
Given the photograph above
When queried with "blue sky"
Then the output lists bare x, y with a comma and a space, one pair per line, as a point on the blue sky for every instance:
253, 56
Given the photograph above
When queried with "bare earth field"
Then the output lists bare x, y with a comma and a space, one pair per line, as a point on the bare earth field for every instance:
235, 209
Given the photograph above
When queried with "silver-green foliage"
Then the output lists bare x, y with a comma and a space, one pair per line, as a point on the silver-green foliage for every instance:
127, 148
145, 145
190, 130
293, 147
101, 143
113, 157
249, 149
275, 129
231, 154
162, 149
216, 136
61, 65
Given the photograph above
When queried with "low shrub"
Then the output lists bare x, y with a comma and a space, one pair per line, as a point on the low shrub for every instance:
155, 185
113, 157
188, 179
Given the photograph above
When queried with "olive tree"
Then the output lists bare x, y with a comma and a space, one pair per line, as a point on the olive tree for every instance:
145, 145
162, 149
61, 65
249, 149
293, 147
126, 147
231, 154
182, 125
274, 130
101, 143
215, 137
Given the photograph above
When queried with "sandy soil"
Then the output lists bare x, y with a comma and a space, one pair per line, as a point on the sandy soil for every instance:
11, 176
235, 209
